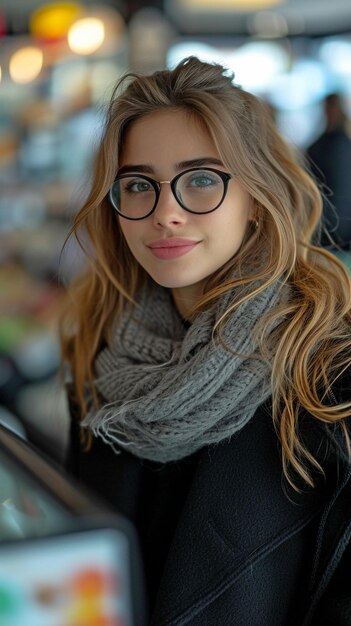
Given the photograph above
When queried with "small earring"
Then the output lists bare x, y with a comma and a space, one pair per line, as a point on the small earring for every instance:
256, 223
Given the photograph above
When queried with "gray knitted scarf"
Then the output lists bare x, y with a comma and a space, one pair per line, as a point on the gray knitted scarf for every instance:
167, 390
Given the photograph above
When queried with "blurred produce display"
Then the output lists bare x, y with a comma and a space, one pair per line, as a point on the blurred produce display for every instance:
54, 81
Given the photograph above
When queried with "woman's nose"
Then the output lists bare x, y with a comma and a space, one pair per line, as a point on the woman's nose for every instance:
168, 210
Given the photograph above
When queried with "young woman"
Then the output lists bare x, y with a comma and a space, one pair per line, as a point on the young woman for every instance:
209, 348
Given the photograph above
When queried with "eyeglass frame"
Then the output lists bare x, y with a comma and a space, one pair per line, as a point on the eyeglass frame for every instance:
156, 184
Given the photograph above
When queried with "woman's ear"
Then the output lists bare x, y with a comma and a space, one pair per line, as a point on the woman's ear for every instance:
253, 213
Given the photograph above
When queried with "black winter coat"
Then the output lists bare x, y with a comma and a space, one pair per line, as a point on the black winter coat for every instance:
239, 546
330, 164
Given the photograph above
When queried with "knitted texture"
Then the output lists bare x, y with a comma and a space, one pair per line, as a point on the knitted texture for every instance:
168, 391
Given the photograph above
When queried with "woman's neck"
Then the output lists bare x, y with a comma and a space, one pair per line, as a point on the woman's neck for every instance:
185, 299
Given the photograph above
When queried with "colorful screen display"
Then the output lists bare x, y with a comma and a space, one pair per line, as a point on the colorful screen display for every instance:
77, 579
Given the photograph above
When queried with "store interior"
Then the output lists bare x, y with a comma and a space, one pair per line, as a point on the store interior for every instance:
58, 65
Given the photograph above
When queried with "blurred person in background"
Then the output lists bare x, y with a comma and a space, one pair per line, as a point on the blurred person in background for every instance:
208, 354
330, 162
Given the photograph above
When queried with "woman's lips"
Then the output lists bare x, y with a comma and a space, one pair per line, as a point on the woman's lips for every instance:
171, 248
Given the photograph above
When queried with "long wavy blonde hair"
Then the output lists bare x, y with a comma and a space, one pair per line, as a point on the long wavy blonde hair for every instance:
312, 340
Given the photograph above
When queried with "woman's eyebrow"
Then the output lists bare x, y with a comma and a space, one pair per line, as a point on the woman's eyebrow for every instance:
129, 167
148, 169
199, 162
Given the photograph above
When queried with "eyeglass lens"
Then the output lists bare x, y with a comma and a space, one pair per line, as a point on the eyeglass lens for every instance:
199, 191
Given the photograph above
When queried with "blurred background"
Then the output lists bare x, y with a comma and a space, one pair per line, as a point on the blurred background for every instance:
58, 64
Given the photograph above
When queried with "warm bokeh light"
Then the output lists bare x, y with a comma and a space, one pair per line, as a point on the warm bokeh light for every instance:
52, 21
86, 35
26, 64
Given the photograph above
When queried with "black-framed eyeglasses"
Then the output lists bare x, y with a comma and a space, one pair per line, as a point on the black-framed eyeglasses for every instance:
197, 190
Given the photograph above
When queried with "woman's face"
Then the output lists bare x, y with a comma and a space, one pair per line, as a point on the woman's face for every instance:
161, 145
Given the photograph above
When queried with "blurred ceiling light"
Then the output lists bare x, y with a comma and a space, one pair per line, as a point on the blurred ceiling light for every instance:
306, 83
230, 5
258, 64
26, 64
52, 21
255, 64
336, 54
86, 35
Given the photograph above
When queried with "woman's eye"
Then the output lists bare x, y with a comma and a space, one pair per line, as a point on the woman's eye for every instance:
138, 186
202, 180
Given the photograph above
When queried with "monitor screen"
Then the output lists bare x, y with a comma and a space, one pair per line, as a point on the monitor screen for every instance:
75, 579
